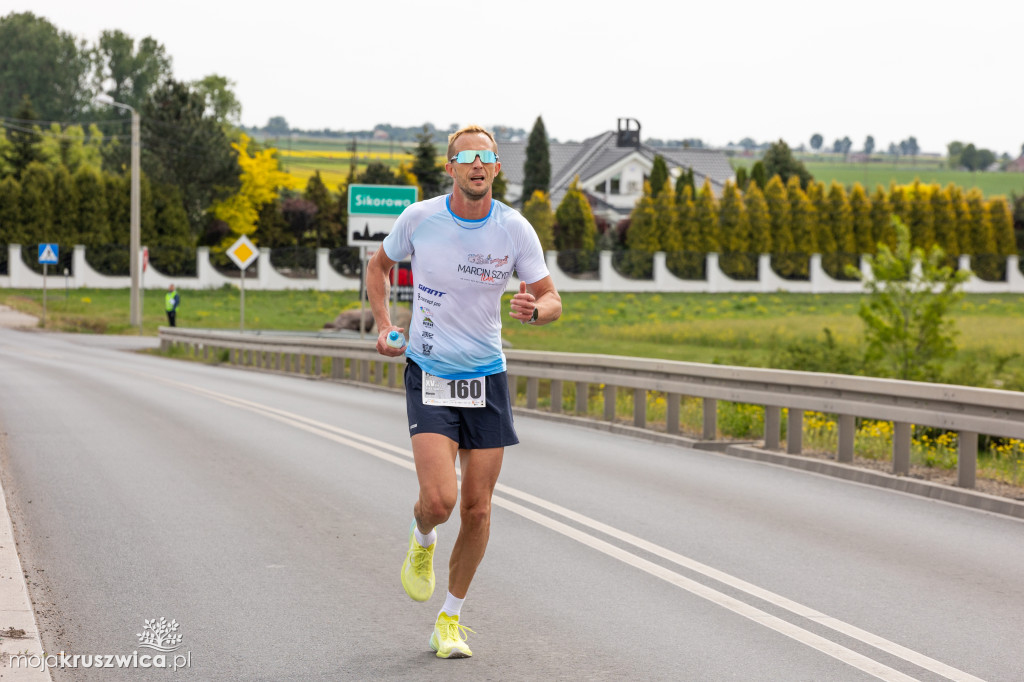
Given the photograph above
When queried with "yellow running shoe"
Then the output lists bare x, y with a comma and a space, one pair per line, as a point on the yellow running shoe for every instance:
418, 569
447, 638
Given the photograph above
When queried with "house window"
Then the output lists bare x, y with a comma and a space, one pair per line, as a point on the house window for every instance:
601, 187
614, 185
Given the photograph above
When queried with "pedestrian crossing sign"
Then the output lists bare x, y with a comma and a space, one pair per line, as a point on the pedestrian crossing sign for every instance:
48, 254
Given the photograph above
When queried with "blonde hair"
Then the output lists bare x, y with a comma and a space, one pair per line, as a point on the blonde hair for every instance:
468, 129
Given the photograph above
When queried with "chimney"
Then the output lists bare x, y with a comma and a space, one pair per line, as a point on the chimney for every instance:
629, 132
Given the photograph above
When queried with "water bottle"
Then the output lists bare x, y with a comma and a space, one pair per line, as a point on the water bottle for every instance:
395, 339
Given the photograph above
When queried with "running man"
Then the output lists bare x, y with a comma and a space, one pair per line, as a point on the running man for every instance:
464, 248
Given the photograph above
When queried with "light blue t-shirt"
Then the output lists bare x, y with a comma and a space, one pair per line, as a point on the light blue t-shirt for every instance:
460, 269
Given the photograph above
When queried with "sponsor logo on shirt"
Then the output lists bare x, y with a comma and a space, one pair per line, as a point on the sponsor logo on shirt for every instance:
427, 347
427, 335
427, 322
434, 292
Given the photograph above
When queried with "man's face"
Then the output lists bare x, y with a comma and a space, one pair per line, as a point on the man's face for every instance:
473, 179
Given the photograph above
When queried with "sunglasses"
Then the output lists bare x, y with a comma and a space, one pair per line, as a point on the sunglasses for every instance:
468, 156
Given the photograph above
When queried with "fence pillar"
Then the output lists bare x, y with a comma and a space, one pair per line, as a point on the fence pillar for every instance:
532, 388
672, 413
847, 431
556, 395
609, 403
966, 459
582, 395
772, 426
710, 430
795, 432
640, 408
901, 448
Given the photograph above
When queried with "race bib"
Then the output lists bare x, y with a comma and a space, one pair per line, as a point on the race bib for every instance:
454, 392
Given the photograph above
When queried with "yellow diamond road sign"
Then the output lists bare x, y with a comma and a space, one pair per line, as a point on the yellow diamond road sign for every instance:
243, 252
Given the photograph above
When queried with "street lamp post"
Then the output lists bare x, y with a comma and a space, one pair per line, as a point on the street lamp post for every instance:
135, 229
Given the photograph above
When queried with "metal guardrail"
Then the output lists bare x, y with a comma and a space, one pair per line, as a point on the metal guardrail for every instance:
965, 410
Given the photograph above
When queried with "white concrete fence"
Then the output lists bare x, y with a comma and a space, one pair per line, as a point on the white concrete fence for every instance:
20, 276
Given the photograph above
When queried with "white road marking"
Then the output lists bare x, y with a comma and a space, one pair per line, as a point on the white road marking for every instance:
403, 459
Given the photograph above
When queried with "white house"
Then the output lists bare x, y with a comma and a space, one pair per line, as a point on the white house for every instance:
612, 168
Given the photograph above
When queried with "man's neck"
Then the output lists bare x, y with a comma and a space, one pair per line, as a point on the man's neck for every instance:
470, 209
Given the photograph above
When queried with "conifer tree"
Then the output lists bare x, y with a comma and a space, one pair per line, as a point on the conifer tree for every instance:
824, 237
860, 210
36, 203
732, 220
430, 176
920, 218
963, 221
882, 231
783, 248
899, 203
65, 202
173, 236
499, 187
841, 219
944, 217
686, 220
669, 236
575, 227
537, 168
11, 229
643, 224
1001, 218
538, 213
659, 175
982, 240
93, 217
706, 216
24, 141
759, 220
759, 175
117, 189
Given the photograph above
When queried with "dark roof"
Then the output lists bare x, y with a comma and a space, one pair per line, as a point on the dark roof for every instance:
587, 158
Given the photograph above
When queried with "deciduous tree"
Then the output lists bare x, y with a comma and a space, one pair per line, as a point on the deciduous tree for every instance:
779, 160
906, 315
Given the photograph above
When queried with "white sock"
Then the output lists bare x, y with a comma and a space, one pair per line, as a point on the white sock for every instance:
452, 605
425, 540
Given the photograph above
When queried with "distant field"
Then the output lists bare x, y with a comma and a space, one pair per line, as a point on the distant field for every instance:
303, 157
878, 172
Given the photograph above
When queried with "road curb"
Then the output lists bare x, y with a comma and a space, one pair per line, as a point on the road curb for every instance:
15, 606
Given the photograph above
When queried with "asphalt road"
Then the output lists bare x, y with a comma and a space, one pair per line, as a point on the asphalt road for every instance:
267, 515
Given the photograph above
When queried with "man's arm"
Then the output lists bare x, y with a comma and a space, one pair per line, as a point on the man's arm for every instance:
378, 289
541, 295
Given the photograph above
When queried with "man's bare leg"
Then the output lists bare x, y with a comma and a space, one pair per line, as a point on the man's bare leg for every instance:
480, 469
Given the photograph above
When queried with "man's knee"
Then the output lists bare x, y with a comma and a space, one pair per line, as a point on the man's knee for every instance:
476, 515
436, 507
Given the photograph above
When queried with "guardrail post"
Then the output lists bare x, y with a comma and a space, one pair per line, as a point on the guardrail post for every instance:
364, 371
966, 459
318, 365
513, 389
672, 413
165, 346
640, 408
772, 426
556, 395
795, 432
206, 352
847, 431
609, 403
901, 448
532, 389
582, 397
710, 430
394, 369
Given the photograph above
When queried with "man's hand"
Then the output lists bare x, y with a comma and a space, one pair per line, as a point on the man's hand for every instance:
523, 304
382, 342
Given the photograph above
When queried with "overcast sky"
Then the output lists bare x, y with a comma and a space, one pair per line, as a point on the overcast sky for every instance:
719, 71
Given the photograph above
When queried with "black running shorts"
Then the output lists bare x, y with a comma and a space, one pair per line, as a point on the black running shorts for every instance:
473, 428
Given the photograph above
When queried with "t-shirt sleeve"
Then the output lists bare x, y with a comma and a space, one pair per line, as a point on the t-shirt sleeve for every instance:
398, 244
530, 264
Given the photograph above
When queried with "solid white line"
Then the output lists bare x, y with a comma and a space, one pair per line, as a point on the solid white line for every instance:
378, 449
